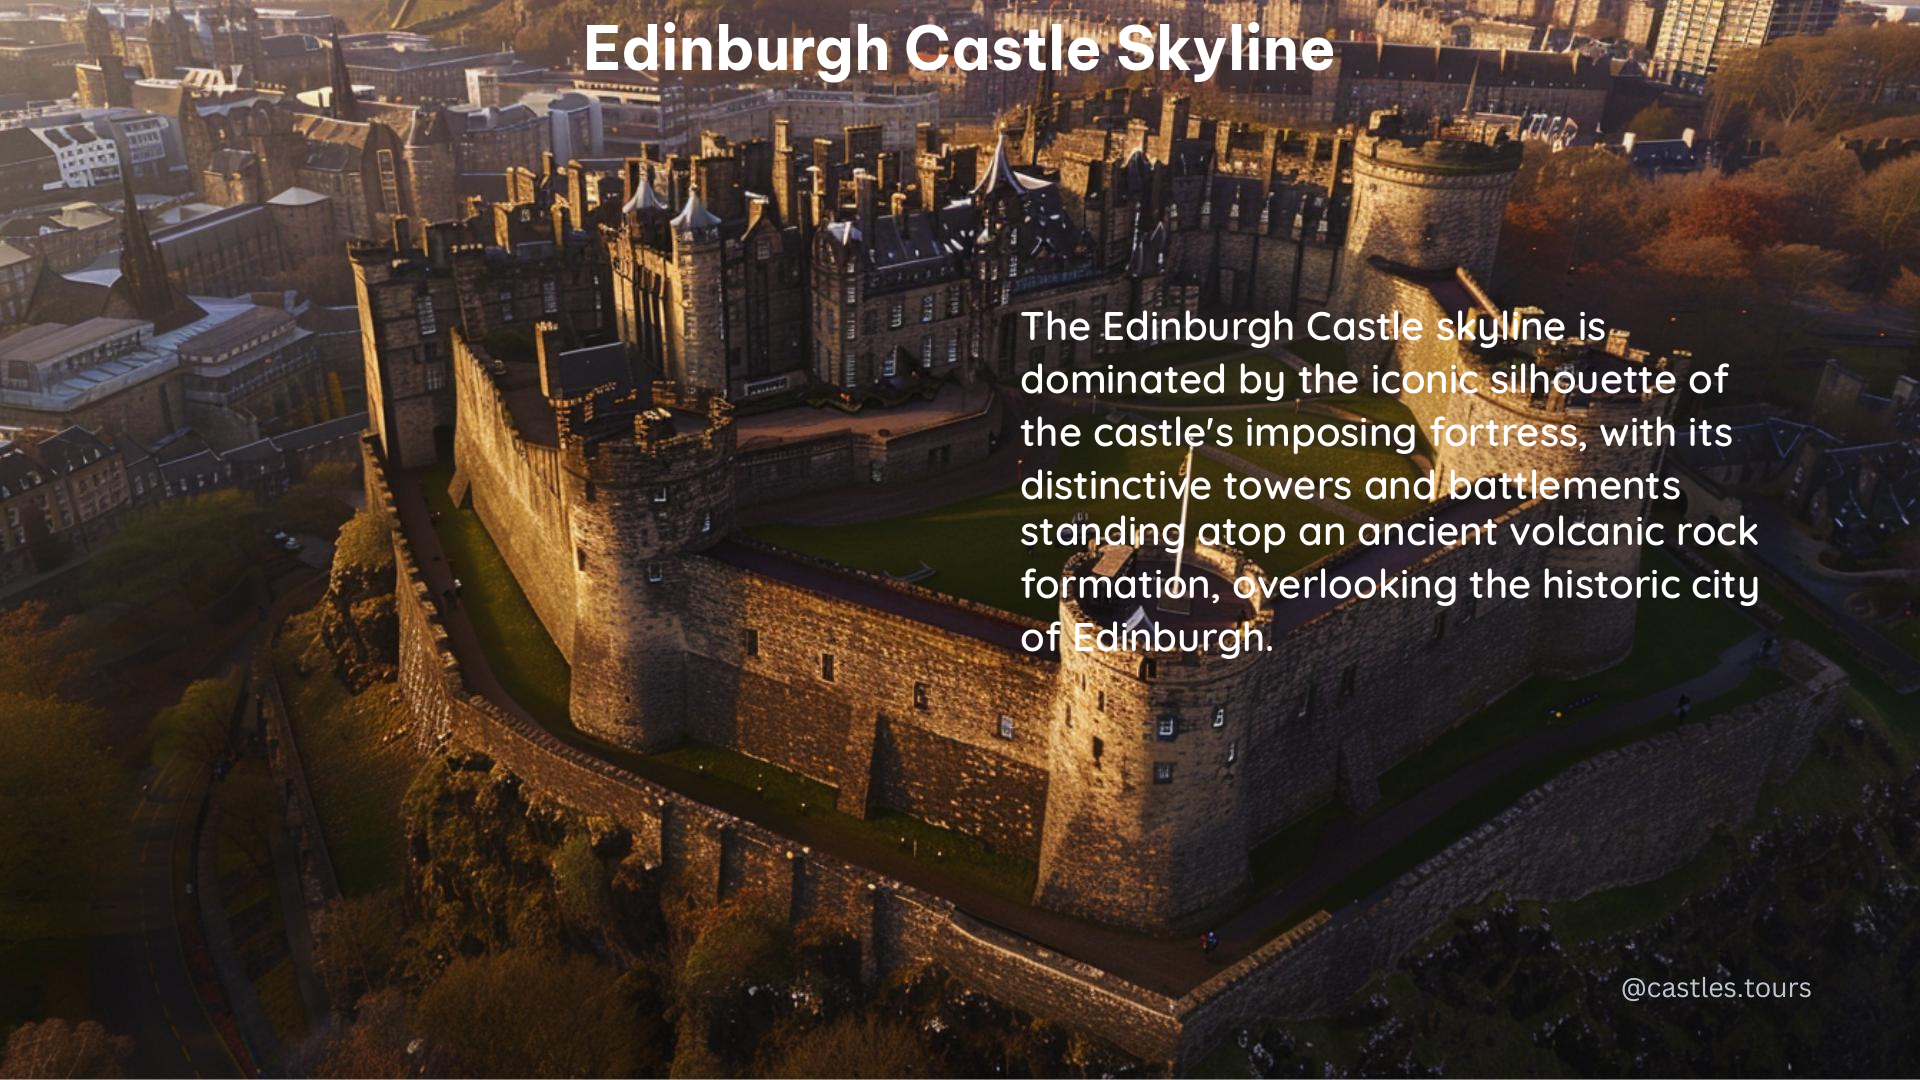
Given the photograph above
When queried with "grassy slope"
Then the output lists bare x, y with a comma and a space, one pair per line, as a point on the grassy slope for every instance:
358, 763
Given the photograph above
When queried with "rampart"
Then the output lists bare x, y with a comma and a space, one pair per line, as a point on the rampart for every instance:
1622, 817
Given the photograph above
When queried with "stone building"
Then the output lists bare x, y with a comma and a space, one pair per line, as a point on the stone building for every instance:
61, 493
1696, 36
1138, 779
475, 276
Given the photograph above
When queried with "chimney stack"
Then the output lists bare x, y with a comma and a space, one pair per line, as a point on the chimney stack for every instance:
866, 192
546, 348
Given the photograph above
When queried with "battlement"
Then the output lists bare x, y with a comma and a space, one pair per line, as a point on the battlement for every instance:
1389, 140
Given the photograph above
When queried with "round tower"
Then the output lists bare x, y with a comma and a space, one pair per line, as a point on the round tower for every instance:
639, 498
1143, 823
1421, 202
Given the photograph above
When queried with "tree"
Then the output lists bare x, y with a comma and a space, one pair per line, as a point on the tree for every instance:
58, 1048
360, 943
1656, 122
183, 549
197, 729
43, 658
529, 1012
248, 807
1747, 214
1885, 210
854, 1047
64, 830
317, 503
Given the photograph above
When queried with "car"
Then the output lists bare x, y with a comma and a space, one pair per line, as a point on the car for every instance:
291, 543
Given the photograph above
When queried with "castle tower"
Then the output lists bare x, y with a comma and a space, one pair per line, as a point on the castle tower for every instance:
699, 309
168, 43
638, 501
1144, 824
1420, 202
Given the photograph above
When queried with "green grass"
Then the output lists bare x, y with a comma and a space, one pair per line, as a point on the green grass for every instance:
528, 666
790, 795
1674, 640
356, 766
974, 546
537, 675
1489, 801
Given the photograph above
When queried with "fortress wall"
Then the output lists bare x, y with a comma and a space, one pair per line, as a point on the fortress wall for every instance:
862, 732
1416, 670
1621, 818
831, 462
516, 491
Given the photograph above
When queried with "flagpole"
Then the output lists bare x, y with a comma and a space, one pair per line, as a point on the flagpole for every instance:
1181, 605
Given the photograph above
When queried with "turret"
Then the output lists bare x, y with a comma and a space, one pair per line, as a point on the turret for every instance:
699, 309
1144, 826
1422, 202
639, 499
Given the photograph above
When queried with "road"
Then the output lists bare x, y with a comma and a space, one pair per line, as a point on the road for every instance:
142, 986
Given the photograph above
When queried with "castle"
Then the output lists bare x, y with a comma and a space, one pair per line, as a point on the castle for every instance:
1137, 781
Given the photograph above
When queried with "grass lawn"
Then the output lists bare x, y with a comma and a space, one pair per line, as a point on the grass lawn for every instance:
538, 676
1470, 813
974, 546
532, 670
1674, 640
788, 794
357, 759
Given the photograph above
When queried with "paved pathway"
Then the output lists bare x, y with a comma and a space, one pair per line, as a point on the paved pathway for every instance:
1170, 966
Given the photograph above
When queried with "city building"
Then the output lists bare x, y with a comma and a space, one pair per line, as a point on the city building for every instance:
1697, 36
61, 493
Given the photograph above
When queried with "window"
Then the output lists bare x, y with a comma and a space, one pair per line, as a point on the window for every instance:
423, 313
926, 308
436, 376
895, 316
1163, 772
1348, 680
656, 573
706, 522
1099, 750
953, 349
920, 696
1219, 716
580, 558
953, 299
660, 494
826, 666
753, 642
1005, 729
889, 366
1169, 727
853, 291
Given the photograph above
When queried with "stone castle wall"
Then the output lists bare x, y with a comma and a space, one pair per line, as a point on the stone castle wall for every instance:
1620, 818
517, 491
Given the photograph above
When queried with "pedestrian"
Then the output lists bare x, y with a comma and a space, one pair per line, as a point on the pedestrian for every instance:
457, 588
1686, 706
1209, 942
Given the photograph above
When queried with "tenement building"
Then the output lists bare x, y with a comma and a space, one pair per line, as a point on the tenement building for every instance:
610, 457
